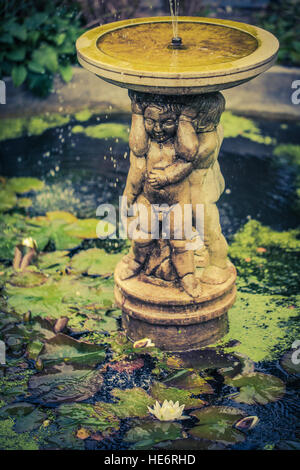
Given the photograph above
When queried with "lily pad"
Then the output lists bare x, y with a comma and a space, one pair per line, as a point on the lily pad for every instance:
54, 231
93, 417
202, 360
257, 388
191, 444
95, 262
131, 403
90, 228
145, 434
64, 383
24, 185
216, 424
161, 393
53, 299
64, 348
8, 200
16, 410
188, 380
24, 202
27, 278
54, 261
66, 217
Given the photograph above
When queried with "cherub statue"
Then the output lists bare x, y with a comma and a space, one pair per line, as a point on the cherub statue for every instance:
166, 148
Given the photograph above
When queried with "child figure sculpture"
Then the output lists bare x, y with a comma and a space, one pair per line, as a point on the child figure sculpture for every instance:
174, 148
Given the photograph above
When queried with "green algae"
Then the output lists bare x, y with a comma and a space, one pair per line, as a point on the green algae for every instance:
288, 151
23, 185
267, 261
264, 319
238, 126
104, 131
36, 125
11, 440
83, 115
264, 325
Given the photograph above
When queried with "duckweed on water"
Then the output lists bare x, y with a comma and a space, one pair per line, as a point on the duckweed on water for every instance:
11, 440
267, 261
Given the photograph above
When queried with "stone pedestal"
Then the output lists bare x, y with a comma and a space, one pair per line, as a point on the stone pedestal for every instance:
168, 316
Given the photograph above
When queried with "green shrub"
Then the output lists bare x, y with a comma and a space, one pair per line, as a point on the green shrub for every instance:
282, 18
38, 43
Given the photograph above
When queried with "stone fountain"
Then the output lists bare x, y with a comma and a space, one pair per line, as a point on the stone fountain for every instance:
176, 284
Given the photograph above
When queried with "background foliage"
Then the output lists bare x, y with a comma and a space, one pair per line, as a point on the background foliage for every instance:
37, 41
282, 18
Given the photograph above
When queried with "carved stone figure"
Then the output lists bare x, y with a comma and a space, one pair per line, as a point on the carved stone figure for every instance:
174, 150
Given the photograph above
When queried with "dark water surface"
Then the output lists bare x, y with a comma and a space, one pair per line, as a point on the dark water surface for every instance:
94, 171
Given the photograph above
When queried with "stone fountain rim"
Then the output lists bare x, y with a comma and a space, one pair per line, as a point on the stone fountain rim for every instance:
212, 77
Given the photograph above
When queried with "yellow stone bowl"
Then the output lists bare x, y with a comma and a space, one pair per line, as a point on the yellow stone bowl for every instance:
215, 54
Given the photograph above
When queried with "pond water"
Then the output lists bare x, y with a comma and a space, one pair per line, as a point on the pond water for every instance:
83, 165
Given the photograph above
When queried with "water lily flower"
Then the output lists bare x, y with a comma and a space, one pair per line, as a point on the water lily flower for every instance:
168, 411
29, 242
144, 343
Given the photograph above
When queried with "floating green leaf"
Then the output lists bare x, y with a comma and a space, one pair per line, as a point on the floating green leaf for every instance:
53, 299
216, 424
93, 417
28, 278
8, 200
95, 262
64, 348
131, 403
64, 383
24, 185
190, 381
145, 434
90, 228
257, 388
54, 261
161, 393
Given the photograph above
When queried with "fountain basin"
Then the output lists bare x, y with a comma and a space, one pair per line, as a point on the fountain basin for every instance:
216, 54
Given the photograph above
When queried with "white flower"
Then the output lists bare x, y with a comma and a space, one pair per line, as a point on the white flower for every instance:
144, 343
168, 411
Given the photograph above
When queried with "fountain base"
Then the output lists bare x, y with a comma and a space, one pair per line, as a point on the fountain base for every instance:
172, 319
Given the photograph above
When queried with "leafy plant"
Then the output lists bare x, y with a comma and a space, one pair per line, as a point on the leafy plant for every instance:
37, 43
282, 19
